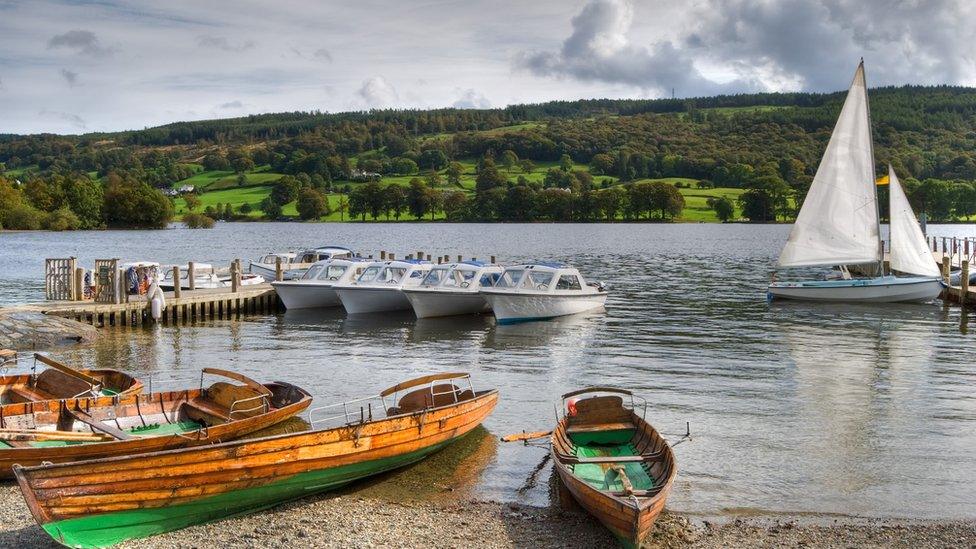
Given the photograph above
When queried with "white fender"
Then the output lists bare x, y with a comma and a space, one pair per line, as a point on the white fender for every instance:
157, 301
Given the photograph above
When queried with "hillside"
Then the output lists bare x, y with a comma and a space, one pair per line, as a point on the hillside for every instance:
757, 150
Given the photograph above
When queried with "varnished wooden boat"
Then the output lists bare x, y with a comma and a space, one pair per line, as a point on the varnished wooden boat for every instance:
104, 502
612, 462
59, 381
60, 431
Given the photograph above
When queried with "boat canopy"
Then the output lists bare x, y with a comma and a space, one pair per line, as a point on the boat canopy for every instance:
541, 277
909, 251
838, 223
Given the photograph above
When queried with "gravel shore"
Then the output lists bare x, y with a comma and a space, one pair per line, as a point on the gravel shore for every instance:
348, 520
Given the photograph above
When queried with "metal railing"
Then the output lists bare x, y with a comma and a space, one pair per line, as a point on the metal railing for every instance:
364, 415
264, 405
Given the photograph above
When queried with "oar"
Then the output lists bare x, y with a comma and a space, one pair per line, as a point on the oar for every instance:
68, 370
525, 436
39, 436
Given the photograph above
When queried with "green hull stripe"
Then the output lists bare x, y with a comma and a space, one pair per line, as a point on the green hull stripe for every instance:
107, 529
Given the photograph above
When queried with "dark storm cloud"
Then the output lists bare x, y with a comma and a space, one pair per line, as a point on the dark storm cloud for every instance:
783, 44
80, 41
70, 77
221, 43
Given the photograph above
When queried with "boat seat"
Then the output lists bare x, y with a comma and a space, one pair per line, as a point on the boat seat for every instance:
205, 411
596, 427
640, 458
31, 394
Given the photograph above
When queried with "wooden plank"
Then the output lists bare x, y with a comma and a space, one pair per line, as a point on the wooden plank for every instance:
98, 425
50, 362
239, 377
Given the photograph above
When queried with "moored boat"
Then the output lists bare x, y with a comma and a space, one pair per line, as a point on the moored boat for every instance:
380, 287
204, 276
104, 502
294, 265
58, 382
453, 289
542, 291
839, 224
87, 428
316, 288
612, 461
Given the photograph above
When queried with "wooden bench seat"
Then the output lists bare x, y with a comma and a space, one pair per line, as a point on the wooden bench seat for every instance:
207, 409
31, 394
596, 427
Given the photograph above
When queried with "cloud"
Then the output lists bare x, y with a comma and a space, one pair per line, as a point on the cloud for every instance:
70, 77
378, 93
72, 119
745, 45
221, 43
322, 54
231, 105
470, 99
81, 41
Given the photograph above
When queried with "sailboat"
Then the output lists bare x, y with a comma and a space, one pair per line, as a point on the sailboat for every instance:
839, 224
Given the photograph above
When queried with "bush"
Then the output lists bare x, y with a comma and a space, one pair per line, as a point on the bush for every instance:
61, 219
23, 217
198, 221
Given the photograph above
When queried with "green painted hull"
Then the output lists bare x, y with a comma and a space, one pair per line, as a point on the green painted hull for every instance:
108, 529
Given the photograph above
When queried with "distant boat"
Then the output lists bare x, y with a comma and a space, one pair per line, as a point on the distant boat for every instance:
542, 291
204, 276
453, 289
293, 264
839, 224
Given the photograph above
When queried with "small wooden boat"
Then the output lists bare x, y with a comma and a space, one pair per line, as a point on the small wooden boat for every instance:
107, 501
58, 431
59, 381
612, 462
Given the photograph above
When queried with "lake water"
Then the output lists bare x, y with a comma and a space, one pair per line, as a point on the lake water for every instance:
793, 407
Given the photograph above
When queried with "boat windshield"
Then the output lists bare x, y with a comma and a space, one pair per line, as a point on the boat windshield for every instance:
488, 279
434, 277
460, 278
391, 275
509, 278
271, 259
333, 272
369, 275
537, 280
313, 272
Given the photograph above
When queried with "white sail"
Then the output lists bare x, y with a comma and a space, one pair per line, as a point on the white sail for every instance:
838, 223
909, 251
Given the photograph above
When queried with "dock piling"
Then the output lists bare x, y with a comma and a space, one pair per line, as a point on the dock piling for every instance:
191, 275
177, 287
964, 280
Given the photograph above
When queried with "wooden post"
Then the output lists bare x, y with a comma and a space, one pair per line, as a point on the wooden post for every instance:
460, 259
439, 258
79, 284
279, 274
420, 254
391, 257
191, 275
964, 282
177, 287
235, 280
382, 255
409, 257
945, 268
120, 286
492, 260
944, 245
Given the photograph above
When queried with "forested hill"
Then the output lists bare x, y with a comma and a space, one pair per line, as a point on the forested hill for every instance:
767, 143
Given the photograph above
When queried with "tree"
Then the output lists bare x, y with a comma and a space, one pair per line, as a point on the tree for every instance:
358, 203
342, 206
271, 208
312, 205
240, 160
130, 203
454, 172
216, 161
565, 163
665, 199
527, 165
454, 204
228, 212
86, 199
241, 180
418, 198
192, 201
245, 209
519, 203
509, 159
612, 201
554, 204
396, 200
723, 208
197, 221
433, 179
488, 176
285, 190
403, 166
432, 159
601, 164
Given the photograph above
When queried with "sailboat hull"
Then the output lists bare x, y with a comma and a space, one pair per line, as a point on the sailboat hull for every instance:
888, 289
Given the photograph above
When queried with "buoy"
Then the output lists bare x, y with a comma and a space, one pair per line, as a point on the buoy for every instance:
571, 406
157, 301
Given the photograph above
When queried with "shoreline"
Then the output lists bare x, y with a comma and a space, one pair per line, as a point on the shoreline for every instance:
347, 518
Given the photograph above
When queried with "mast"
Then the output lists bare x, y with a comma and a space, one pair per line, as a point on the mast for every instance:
874, 172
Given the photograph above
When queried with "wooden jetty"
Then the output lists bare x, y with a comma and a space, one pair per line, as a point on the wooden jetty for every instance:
958, 253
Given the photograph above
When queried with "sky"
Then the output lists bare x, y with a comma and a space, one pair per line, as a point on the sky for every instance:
76, 66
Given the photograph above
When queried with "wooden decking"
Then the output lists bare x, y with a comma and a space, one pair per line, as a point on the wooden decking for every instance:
189, 307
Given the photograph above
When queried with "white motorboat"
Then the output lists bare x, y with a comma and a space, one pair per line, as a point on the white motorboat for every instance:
380, 287
542, 291
204, 276
453, 289
839, 225
293, 264
316, 288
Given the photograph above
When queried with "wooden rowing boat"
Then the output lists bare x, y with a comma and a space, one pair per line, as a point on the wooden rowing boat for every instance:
136, 424
59, 381
612, 462
104, 502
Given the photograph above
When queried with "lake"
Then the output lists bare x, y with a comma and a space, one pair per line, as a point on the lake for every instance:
856, 410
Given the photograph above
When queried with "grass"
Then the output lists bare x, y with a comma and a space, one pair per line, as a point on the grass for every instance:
752, 108
18, 172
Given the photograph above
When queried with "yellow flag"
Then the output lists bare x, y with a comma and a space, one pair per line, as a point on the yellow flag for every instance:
883, 180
